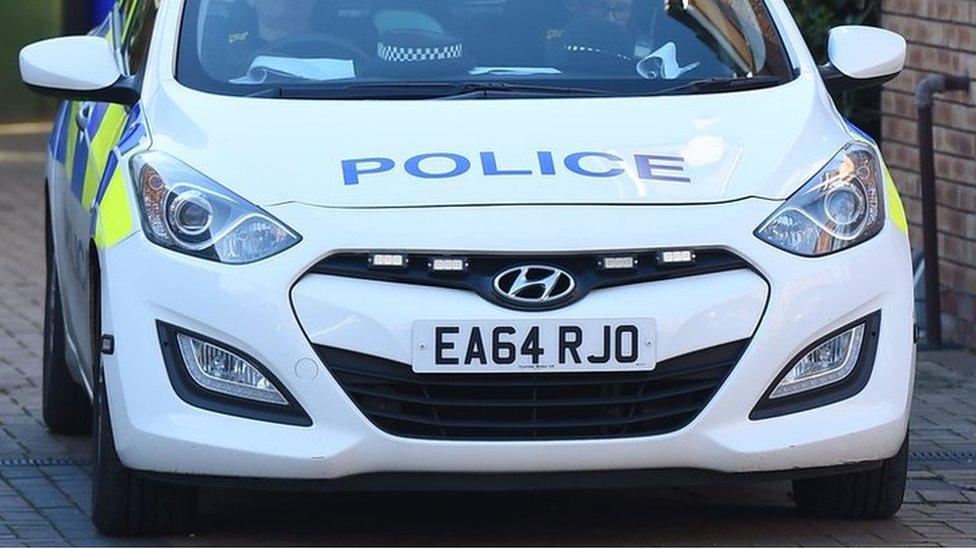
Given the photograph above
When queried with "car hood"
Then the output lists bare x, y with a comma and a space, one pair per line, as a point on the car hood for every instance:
647, 150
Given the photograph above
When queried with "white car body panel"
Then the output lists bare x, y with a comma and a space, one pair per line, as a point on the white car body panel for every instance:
744, 153
865, 52
806, 299
730, 150
90, 65
332, 312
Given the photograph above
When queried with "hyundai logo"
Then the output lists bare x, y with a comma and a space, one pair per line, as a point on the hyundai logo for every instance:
534, 284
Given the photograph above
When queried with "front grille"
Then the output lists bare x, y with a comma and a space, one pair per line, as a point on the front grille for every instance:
532, 406
481, 269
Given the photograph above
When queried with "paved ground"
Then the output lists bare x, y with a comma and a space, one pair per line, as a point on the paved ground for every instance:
45, 486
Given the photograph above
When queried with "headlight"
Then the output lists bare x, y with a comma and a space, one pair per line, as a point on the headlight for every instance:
186, 211
841, 207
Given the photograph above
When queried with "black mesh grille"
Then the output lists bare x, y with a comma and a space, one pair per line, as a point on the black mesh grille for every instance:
532, 406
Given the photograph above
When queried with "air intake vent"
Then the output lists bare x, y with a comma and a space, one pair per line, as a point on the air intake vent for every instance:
532, 406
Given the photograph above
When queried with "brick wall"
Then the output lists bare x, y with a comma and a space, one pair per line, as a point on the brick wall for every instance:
942, 38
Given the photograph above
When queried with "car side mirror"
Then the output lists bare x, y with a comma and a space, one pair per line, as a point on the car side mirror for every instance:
78, 68
862, 57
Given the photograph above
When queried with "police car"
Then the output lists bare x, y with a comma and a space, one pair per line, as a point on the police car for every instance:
471, 244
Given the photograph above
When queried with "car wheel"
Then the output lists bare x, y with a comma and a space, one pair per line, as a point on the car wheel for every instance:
873, 494
125, 502
64, 402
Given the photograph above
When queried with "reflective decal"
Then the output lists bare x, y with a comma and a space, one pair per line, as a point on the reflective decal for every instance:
134, 131
79, 166
896, 209
414, 165
70, 138
56, 138
547, 165
97, 116
595, 164
114, 218
490, 166
113, 163
574, 164
112, 214
105, 135
352, 169
661, 168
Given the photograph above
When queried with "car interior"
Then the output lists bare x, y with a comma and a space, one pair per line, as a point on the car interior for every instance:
437, 39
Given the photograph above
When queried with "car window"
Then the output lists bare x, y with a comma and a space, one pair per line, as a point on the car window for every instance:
137, 18
623, 46
104, 29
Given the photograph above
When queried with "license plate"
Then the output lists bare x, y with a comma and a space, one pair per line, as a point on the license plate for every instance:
499, 346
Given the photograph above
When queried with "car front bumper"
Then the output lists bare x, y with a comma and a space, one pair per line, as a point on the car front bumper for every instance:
274, 312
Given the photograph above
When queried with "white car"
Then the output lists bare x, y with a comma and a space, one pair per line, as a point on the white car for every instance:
471, 244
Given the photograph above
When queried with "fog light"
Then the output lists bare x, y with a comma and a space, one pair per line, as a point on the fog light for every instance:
828, 363
224, 372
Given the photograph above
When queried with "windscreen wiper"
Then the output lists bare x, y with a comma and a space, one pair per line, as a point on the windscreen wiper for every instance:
424, 90
721, 84
488, 89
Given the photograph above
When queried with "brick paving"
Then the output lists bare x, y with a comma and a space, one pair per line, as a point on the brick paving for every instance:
45, 479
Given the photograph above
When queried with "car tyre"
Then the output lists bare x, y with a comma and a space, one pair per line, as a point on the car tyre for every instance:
873, 494
65, 406
126, 502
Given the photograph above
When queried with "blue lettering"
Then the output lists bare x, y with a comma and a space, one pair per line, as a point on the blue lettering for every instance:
351, 169
573, 164
546, 165
648, 167
461, 165
490, 166
445, 165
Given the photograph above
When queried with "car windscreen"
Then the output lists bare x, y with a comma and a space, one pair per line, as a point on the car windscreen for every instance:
443, 48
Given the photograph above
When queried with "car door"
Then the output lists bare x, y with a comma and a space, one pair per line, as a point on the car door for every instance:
94, 131
74, 162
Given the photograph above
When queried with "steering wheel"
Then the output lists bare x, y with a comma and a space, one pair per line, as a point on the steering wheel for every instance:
316, 45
